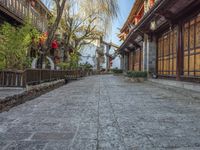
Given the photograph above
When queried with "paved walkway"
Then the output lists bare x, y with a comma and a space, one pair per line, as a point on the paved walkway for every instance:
103, 113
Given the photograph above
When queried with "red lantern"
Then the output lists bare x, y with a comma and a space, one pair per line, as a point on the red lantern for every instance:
151, 3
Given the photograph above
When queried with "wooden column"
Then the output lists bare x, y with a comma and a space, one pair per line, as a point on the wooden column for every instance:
140, 59
179, 52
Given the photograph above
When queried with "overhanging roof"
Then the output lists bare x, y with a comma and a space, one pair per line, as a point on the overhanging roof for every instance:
134, 10
172, 10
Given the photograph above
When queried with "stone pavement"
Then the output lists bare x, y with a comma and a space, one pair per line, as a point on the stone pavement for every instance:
103, 113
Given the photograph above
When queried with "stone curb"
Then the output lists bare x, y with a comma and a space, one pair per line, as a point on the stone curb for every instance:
30, 93
179, 89
135, 80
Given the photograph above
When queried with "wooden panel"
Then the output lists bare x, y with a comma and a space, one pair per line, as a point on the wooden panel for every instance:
186, 43
167, 49
174, 51
137, 60
160, 56
186, 33
197, 44
131, 58
197, 65
191, 65
191, 44
186, 64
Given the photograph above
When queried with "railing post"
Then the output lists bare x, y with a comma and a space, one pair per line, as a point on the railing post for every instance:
3, 79
24, 75
40, 75
50, 74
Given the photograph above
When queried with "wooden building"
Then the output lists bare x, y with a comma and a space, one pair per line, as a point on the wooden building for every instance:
16, 11
170, 35
132, 52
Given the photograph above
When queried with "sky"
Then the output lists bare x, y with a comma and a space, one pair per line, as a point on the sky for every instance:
124, 10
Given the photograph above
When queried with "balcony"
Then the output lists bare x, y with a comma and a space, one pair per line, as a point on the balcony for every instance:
21, 10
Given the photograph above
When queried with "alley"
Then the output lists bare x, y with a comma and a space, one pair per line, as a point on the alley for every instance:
103, 113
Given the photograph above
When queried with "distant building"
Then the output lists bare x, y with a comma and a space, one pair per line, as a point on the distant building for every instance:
163, 38
88, 55
16, 11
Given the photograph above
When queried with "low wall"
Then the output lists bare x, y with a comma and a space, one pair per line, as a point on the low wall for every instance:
30, 93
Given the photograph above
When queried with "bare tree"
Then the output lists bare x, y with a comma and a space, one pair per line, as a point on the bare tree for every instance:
83, 25
79, 29
48, 3
60, 5
87, 24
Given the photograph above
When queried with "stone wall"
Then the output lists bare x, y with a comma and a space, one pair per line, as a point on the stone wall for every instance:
152, 55
149, 54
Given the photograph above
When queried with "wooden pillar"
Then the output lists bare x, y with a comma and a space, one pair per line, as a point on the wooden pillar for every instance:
140, 59
179, 52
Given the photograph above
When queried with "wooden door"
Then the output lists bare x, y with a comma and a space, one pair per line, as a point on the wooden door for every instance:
167, 53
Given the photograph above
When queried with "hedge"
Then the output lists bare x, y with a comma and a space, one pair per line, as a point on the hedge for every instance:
137, 74
117, 71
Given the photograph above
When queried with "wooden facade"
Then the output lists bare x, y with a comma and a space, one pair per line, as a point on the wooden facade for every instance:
178, 49
137, 60
191, 47
170, 31
135, 51
16, 11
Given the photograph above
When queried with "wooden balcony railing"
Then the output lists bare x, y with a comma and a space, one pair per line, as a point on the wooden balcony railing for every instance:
37, 76
22, 10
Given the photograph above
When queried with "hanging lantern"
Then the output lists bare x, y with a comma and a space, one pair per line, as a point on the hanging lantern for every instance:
126, 50
151, 3
43, 37
153, 25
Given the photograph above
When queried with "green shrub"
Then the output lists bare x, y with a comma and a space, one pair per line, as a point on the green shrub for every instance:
64, 66
86, 66
117, 71
137, 74
14, 45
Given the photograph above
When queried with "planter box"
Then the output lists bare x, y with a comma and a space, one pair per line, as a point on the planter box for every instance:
135, 80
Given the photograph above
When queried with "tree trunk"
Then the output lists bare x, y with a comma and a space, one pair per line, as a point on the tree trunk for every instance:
46, 47
54, 27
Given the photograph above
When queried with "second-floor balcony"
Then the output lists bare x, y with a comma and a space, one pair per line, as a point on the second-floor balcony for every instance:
21, 10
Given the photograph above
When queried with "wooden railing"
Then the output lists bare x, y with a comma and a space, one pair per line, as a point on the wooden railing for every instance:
12, 78
22, 10
37, 76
